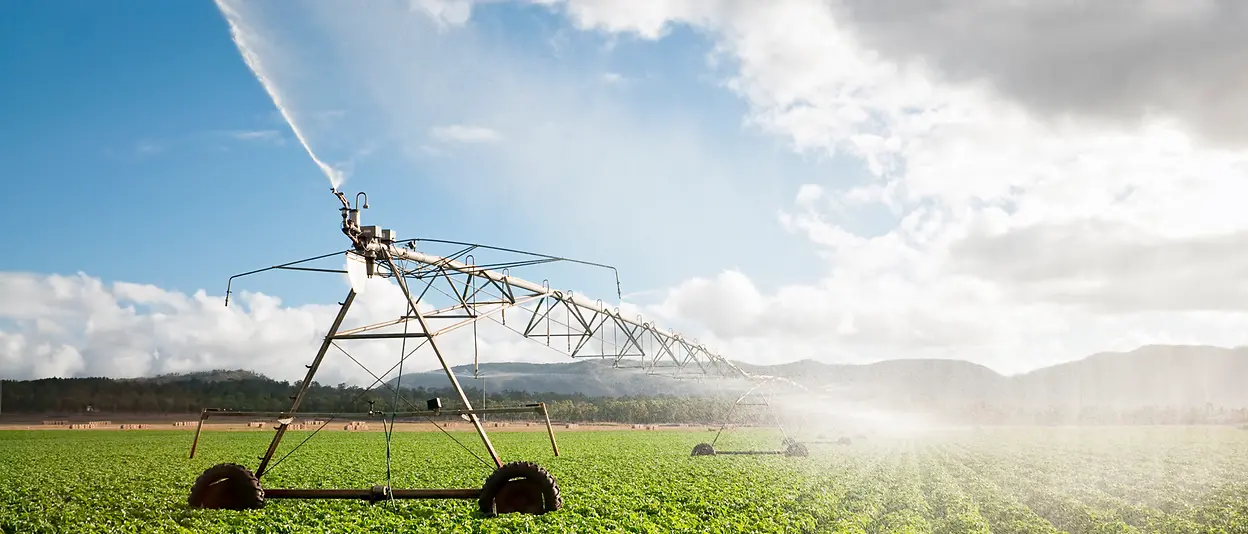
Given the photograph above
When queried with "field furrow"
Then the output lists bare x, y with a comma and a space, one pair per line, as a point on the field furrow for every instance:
1168, 480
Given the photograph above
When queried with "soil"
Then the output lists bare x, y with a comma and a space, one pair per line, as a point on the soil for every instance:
190, 422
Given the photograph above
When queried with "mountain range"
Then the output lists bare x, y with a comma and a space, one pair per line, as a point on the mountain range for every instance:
1159, 376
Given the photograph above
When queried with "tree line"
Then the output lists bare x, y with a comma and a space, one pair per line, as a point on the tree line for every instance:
98, 396
242, 391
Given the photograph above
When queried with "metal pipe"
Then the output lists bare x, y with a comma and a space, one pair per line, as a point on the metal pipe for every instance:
372, 494
550, 431
386, 335
230, 282
203, 414
212, 412
581, 302
476, 423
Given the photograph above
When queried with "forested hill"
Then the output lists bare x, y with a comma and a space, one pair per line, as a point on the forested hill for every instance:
226, 389
1152, 377
1151, 384
243, 390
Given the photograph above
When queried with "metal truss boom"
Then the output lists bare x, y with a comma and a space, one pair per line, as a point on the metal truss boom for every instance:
583, 321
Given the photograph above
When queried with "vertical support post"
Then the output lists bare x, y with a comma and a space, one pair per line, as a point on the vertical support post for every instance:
731, 409
203, 414
307, 382
476, 423
549, 430
776, 418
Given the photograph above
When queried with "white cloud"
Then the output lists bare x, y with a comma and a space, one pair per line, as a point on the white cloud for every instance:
463, 133
81, 326
446, 13
809, 193
1114, 62
1017, 238
147, 148
257, 135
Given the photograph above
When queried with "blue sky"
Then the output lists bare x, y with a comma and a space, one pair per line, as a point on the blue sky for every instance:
119, 143
140, 140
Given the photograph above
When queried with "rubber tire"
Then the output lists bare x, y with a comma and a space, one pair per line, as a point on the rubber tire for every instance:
796, 449
523, 487
703, 449
228, 487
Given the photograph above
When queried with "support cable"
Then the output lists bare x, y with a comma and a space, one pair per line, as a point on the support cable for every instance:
414, 407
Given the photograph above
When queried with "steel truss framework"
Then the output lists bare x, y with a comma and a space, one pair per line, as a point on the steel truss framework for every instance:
447, 293
763, 394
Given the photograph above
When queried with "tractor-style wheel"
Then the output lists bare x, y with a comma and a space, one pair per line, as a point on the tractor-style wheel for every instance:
228, 487
796, 449
703, 449
523, 487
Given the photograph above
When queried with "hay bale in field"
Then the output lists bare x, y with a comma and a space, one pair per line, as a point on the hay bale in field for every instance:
56, 423
256, 424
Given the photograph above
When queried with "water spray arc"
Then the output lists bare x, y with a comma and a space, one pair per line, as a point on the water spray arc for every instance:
242, 39
485, 292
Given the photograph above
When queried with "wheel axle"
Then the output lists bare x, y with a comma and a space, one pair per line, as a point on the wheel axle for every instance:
522, 487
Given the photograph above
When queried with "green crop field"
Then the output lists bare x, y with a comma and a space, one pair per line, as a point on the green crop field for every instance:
1000, 480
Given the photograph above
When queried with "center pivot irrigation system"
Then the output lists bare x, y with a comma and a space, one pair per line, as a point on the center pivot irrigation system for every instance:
570, 324
762, 394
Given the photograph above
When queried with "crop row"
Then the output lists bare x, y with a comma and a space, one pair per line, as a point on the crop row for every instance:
1000, 481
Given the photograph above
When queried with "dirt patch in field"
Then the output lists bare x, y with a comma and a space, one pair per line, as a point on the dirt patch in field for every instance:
255, 425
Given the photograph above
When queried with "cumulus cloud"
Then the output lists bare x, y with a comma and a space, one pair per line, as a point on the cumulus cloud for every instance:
1118, 61
464, 133
79, 325
1021, 227
446, 13
1113, 267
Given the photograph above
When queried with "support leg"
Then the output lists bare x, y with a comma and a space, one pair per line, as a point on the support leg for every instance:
728, 416
550, 430
307, 383
415, 311
203, 414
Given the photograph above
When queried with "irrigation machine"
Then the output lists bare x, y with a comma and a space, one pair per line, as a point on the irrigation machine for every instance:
444, 294
762, 395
